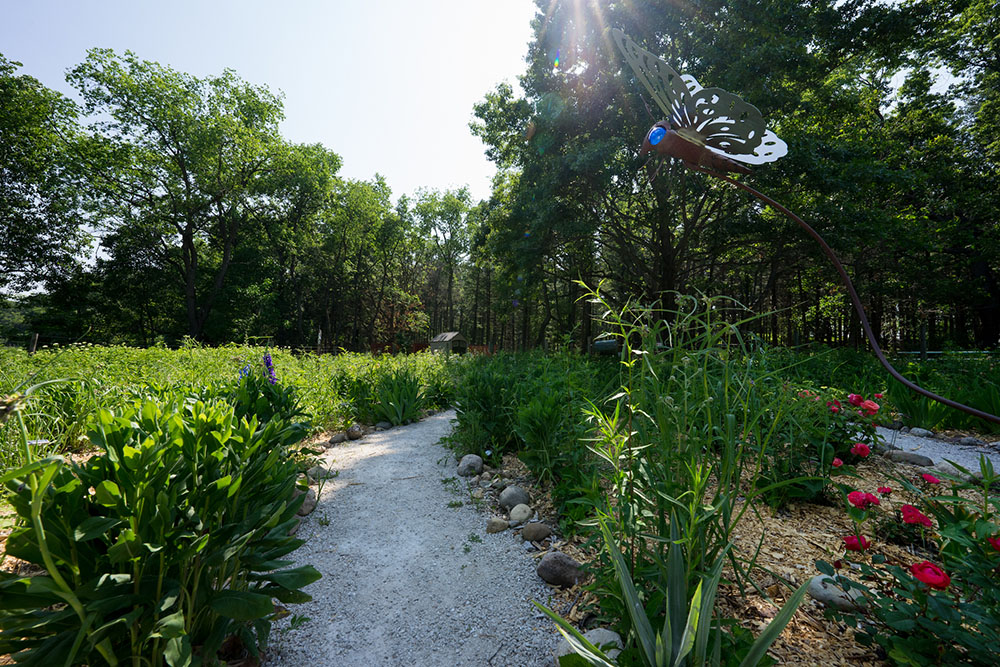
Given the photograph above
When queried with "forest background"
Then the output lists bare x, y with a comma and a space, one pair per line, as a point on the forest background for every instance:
209, 224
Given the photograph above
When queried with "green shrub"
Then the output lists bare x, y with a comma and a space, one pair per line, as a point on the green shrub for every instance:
923, 613
161, 547
397, 397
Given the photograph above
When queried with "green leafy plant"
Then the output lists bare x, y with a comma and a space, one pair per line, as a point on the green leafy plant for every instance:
165, 544
922, 613
687, 629
397, 398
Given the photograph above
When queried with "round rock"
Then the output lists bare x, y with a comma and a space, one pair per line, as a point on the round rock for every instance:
316, 473
496, 525
902, 456
309, 504
921, 433
338, 438
470, 465
355, 432
535, 532
513, 496
558, 569
824, 590
520, 513
383, 426
949, 469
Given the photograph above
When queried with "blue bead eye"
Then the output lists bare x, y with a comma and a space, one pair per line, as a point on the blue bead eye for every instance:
656, 134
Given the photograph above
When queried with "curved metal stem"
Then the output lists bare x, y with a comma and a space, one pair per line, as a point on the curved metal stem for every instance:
854, 299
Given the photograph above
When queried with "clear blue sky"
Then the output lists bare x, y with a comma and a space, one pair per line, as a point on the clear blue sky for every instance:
387, 84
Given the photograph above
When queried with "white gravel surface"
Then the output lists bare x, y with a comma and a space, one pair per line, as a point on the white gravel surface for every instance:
966, 456
408, 580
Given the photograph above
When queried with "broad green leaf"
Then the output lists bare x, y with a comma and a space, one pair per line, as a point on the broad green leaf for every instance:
107, 493
291, 579
178, 651
93, 527
241, 605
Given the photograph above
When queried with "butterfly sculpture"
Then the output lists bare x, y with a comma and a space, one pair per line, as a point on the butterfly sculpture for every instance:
715, 132
705, 127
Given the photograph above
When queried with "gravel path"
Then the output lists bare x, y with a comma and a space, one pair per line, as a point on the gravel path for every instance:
408, 580
966, 456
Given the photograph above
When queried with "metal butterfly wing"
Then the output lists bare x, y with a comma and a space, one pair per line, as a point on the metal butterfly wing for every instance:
710, 117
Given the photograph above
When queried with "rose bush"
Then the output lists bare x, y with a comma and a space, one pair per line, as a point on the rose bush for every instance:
943, 609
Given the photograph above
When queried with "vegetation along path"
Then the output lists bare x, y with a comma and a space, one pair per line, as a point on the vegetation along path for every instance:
409, 576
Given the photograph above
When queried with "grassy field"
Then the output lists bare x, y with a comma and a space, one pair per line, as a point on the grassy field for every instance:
333, 390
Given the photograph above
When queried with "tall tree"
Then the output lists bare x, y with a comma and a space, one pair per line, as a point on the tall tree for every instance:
179, 157
40, 230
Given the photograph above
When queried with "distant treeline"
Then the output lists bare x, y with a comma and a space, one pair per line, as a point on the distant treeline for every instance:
168, 205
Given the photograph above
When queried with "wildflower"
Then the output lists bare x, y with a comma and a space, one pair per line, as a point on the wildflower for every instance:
861, 449
269, 364
930, 574
855, 543
9, 405
245, 371
912, 515
855, 399
930, 479
884, 490
836, 463
834, 406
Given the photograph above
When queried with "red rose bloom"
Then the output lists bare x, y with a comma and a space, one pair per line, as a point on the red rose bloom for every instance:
994, 542
912, 515
884, 490
930, 479
854, 543
930, 574
855, 399
870, 407
861, 449
837, 463
861, 500
878, 396
834, 406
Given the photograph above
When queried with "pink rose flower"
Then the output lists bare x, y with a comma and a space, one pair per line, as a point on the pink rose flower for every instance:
870, 407
836, 463
854, 543
861, 449
930, 479
861, 500
931, 574
855, 399
834, 406
884, 490
994, 542
879, 396
912, 515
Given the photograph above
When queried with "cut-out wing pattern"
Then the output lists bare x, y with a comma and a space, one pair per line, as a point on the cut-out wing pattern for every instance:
711, 117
